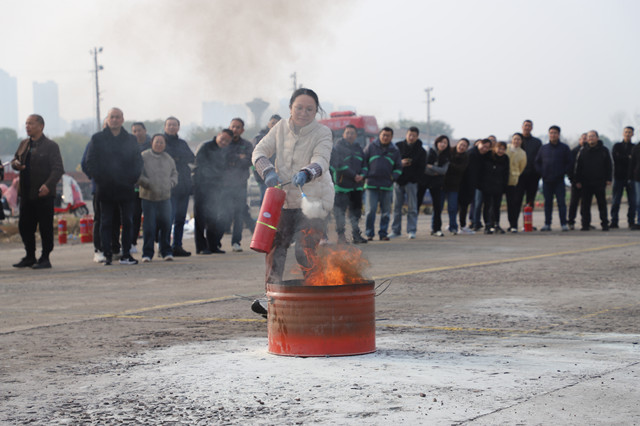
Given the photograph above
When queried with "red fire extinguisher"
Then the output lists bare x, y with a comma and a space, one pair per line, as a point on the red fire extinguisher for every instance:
83, 230
528, 218
267, 222
62, 231
90, 228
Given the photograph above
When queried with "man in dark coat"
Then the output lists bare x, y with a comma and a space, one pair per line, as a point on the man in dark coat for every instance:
593, 174
414, 160
528, 182
347, 165
621, 153
211, 212
238, 170
552, 163
39, 162
115, 164
576, 194
183, 156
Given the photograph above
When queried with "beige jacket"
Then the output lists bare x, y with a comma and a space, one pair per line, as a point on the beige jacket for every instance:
517, 163
159, 176
313, 144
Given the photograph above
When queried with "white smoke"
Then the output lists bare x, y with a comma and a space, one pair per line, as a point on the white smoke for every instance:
312, 209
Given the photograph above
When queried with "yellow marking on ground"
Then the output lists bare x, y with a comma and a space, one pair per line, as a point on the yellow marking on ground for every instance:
494, 262
171, 305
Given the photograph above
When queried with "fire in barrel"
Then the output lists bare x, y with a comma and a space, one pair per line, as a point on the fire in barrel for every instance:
331, 312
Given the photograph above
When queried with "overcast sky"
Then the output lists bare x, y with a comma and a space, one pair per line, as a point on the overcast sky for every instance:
491, 63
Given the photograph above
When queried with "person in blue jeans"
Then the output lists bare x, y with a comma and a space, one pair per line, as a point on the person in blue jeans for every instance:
552, 163
159, 177
383, 166
183, 156
621, 153
458, 163
414, 159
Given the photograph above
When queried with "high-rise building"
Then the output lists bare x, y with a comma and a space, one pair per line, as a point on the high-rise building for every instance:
8, 101
45, 103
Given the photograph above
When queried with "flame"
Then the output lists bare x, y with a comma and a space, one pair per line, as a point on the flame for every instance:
335, 265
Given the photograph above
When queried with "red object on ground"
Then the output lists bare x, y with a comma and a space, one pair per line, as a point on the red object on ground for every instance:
268, 218
86, 230
321, 320
62, 231
528, 218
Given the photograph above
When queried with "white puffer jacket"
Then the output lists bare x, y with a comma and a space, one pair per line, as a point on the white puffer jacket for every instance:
313, 144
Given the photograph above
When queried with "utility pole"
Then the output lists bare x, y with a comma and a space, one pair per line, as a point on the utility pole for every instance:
97, 68
429, 100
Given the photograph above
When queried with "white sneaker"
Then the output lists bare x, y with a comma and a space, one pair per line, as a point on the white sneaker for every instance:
98, 257
394, 235
133, 249
168, 258
437, 233
237, 247
146, 259
412, 236
467, 230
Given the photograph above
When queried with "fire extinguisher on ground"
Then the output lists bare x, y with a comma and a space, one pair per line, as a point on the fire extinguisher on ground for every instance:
528, 218
268, 218
62, 231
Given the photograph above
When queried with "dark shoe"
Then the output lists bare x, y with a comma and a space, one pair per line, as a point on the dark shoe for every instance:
585, 228
613, 226
369, 238
42, 264
180, 252
488, 231
259, 306
342, 239
572, 226
26, 262
205, 251
385, 238
108, 260
499, 230
635, 227
218, 251
605, 228
128, 260
357, 239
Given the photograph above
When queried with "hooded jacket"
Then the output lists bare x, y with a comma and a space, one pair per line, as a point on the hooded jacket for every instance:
413, 172
347, 161
311, 146
383, 165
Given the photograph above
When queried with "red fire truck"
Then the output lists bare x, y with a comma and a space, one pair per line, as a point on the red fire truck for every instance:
366, 125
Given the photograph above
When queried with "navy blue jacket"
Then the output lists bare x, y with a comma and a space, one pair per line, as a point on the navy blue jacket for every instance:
382, 164
553, 161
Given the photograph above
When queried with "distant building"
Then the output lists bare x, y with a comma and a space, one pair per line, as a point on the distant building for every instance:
218, 114
46, 103
8, 101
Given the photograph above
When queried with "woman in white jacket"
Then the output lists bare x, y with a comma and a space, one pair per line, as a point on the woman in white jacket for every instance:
303, 149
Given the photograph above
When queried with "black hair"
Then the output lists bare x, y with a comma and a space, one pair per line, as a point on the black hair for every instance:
485, 141
440, 138
159, 134
275, 117
386, 129
238, 119
594, 131
139, 123
554, 127
172, 118
308, 92
501, 143
518, 134
527, 121
414, 129
351, 126
464, 140
228, 131
630, 128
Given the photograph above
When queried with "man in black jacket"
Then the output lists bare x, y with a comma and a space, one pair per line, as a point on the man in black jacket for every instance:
39, 162
414, 160
634, 175
182, 155
347, 163
528, 182
115, 164
576, 194
211, 210
238, 170
593, 174
621, 153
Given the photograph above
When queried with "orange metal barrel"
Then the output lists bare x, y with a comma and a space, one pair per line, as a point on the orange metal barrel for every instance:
321, 320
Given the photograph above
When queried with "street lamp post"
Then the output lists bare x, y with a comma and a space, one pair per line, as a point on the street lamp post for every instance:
96, 69
429, 100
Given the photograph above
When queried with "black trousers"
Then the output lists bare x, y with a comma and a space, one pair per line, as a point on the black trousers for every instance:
212, 217
137, 219
307, 233
110, 210
115, 228
527, 187
353, 202
491, 209
588, 191
35, 214
513, 206
576, 195
465, 198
